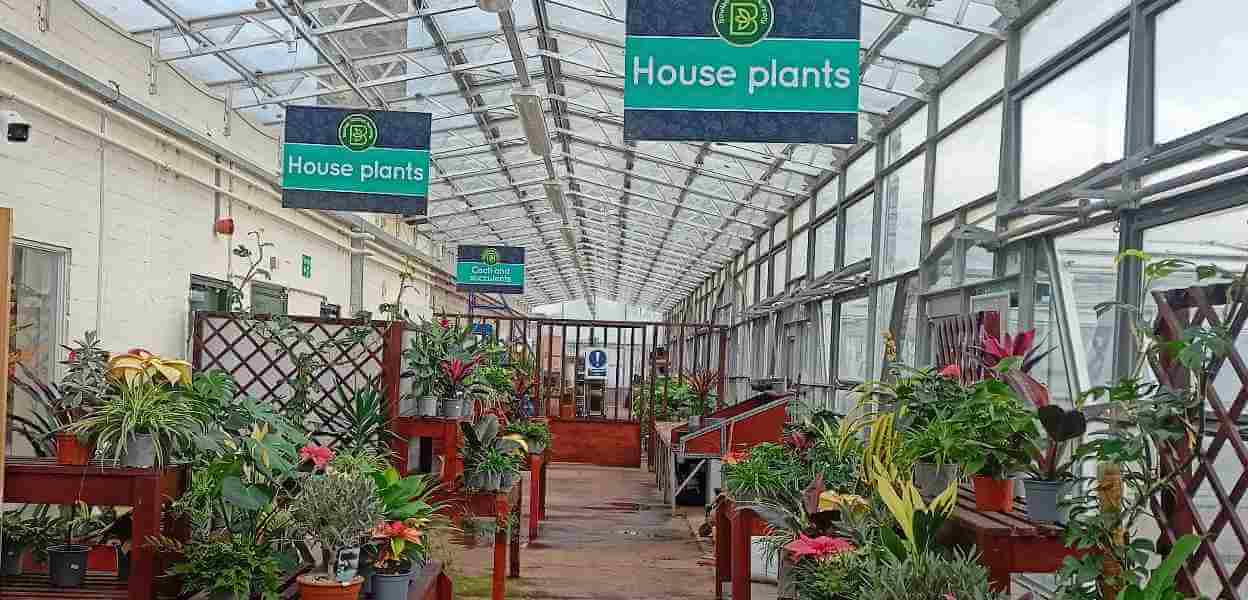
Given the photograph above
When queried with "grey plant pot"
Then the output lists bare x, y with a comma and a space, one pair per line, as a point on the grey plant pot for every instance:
11, 560
932, 480
493, 482
536, 447
507, 480
427, 406
474, 480
1044, 500
140, 452
391, 587
451, 408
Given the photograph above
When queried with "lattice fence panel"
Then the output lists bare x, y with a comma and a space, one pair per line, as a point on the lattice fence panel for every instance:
1209, 495
264, 370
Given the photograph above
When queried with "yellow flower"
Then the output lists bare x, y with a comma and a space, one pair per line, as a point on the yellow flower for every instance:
846, 503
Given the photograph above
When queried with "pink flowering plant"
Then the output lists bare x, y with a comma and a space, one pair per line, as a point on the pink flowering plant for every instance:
820, 548
319, 456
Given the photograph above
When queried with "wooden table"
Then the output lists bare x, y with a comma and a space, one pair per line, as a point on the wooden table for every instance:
734, 526
42, 481
1009, 543
504, 507
444, 432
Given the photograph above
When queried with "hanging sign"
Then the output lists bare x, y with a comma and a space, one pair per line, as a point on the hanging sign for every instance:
490, 269
356, 160
782, 71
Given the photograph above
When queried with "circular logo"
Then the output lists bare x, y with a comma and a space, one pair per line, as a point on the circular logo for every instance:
357, 132
489, 256
743, 22
597, 359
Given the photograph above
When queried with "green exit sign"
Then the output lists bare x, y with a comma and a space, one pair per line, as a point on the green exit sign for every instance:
307, 267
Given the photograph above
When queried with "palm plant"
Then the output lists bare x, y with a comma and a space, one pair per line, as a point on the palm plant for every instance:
357, 419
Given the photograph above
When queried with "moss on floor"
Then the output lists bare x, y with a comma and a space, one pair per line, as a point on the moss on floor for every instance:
479, 586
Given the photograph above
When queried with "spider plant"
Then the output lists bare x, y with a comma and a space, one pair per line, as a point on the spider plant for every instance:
144, 407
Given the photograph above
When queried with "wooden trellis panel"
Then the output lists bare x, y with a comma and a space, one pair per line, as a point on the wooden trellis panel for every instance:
1207, 501
235, 344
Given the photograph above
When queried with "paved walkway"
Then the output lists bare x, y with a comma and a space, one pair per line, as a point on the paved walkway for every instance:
608, 536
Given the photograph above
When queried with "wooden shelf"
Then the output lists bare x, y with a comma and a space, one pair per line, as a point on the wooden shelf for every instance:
98, 586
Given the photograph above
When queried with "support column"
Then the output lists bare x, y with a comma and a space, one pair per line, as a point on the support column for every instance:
357, 274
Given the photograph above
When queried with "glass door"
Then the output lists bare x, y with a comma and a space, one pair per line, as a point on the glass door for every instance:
36, 308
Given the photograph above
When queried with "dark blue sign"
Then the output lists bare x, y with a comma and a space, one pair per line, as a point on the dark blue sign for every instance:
783, 71
356, 160
484, 329
597, 364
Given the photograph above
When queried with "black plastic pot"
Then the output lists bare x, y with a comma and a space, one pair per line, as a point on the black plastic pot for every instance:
67, 565
11, 560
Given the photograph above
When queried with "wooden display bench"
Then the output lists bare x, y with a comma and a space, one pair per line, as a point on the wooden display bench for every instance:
434, 584
538, 465
504, 507
445, 433
1009, 543
734, 526
42, 481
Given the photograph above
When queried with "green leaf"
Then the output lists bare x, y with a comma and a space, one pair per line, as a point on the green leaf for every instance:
1139, 255
1163, 578
245, 497
1204, 272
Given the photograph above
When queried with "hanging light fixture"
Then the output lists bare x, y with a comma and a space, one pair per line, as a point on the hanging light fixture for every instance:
533, 117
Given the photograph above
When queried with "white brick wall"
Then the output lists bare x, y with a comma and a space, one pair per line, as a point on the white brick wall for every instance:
157, 224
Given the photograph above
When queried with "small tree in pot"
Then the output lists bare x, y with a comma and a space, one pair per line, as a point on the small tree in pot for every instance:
338, 512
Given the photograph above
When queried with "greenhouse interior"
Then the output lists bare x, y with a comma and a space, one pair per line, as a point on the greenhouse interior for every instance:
623, 299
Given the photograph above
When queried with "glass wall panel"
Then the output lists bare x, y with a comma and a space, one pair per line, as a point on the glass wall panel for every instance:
777, 279
1086, 263
827, 197
1052, 370
763, 280
860, 172
978, 264
858, 221
825, 248
967, 162
1198, 43
1075, 122
801, 215
884, 297
36, 298
853, 340
907, 136
827, 309
901, 219
779, 232
986, 78
797, 256
1061, 25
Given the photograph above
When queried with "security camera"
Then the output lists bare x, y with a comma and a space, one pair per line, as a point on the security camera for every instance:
16, 128
415, 220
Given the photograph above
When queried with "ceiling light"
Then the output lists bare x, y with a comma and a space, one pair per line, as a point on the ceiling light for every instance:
494, 6
569, 237
533, 118
554, 193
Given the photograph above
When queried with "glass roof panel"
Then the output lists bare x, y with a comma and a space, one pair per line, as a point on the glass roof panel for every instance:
480, 139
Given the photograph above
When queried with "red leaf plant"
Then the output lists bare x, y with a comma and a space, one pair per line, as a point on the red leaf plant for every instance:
457, 370
820, 548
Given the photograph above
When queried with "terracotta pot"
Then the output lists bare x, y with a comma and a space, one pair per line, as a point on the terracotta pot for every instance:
71, 451
313, 588
994, 495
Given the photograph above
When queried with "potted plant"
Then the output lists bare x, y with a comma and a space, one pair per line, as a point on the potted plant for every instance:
17, 533
480, 440
937, 452
535, 433
226, 566
999, 431
493, 463
402, 548
456, 370
140, 425
67, 562
1050, 466
699, 388
337, 511
84, 385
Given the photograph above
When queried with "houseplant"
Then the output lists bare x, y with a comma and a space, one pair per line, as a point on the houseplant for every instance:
766, 472
1051, 471
402, 549
700, 384
141, 424
456, 370
84, 385
337, 511
227, 567
535, 433
78, 527
937, 452
999, 433
493, 464
20, 532
480, 439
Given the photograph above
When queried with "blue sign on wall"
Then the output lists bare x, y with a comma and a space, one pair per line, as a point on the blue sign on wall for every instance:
597, 364
742, 71
484, 329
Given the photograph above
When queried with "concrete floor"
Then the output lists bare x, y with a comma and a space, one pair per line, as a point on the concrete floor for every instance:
608, 536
